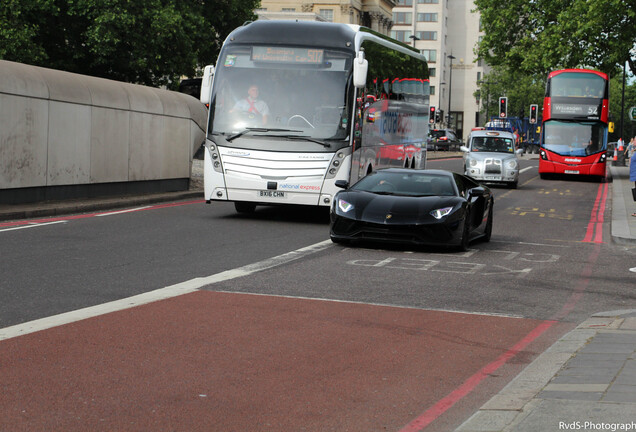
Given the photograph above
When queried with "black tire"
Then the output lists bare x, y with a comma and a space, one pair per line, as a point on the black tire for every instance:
512, 185
465, 240
488, 231
244, 207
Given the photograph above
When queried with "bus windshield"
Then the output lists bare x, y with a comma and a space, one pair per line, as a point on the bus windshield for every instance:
575, 139
290, 91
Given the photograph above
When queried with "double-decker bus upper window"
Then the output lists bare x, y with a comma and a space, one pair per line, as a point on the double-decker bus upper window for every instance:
304, 91
578, 85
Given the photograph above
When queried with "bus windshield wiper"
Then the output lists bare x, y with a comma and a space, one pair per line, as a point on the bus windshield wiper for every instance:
257, 129
304, 138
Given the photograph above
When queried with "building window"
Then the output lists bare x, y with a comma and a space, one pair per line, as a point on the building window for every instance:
432, 72
432, 90
401, 35
288, 10
427, 1
260, 9
427, 17
431, 55
402, 18
426, 35
327, 14
404, 3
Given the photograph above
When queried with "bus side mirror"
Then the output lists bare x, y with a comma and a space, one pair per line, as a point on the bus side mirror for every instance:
206, 84
360, 67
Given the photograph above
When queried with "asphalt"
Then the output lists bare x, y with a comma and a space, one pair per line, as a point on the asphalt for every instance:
584, 381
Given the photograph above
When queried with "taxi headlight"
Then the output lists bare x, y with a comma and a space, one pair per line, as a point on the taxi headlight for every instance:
472, 162
511, 164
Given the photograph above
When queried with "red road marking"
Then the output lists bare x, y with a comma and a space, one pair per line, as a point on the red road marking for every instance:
469, 385
219, 361
595, 225
88, 215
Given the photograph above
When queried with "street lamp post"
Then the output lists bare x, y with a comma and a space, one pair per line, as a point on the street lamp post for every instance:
450, 86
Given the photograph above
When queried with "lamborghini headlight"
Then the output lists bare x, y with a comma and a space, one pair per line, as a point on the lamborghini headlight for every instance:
344, 206
440, 213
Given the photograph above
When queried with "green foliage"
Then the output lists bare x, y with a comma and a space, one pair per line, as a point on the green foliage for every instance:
534, 37
521, 90
616, 102
151, 42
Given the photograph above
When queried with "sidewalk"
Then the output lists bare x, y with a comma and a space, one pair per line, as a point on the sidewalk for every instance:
585, 381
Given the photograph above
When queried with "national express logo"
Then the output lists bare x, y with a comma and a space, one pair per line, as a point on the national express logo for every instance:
299, 187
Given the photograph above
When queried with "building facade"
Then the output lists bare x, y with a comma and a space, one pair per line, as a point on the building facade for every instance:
375, 14
445, 31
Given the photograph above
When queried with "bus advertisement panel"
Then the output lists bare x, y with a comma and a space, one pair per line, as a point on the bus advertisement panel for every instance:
286, 120
575, 120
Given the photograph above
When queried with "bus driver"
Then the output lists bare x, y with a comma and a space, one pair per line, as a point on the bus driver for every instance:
253, 107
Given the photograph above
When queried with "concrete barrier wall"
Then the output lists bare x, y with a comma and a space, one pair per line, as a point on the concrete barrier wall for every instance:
80, 134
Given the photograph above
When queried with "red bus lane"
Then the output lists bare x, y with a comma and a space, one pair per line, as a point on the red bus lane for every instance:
212, 361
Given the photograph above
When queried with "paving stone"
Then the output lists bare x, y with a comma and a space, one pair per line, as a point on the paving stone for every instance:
568, 395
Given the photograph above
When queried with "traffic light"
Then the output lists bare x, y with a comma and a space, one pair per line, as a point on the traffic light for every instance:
533, 113
438, 116
503, 107
431, 117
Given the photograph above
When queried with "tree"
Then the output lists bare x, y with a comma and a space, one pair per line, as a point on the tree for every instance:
521, 90
151, 42
534, 37
616, 99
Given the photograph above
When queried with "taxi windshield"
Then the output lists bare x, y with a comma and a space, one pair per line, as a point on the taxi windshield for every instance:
492, 144
278, 90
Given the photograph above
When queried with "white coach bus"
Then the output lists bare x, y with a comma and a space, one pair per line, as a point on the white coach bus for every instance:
295, 106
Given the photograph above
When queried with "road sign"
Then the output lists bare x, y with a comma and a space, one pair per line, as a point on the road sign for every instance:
632, 113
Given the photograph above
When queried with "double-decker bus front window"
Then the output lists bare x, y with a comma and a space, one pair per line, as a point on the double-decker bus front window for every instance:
574, 139
299, 91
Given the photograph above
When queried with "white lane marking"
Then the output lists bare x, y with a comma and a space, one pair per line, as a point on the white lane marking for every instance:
122, 211
458, 311
159, 294
633, 269
526, 169
32, 225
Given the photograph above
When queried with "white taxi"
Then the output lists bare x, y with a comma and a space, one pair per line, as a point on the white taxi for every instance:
490, 157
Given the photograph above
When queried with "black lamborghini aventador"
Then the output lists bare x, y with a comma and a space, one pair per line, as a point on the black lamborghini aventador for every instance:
419, 207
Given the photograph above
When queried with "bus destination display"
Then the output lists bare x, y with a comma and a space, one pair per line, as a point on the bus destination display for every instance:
562, 110
287, 55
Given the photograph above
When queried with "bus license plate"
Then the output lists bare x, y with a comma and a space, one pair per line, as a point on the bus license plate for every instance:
271, 194
571, 172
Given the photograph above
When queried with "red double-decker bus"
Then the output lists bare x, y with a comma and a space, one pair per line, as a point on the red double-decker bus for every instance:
575, 119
